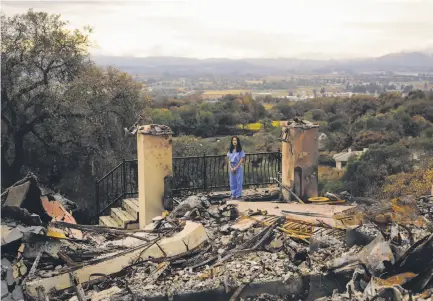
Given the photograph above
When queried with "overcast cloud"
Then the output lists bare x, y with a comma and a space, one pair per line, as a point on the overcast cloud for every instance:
239, 29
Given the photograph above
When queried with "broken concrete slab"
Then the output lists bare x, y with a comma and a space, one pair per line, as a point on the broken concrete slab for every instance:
377, 255
8, 298
17, 293
7, 265
4, 291
11, 234
326, 212
189, 238
17, 194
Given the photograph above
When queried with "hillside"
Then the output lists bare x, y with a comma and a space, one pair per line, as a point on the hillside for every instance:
402, 62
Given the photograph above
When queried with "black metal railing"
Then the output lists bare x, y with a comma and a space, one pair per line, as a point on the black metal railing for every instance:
121, 182
199, 173
204, 173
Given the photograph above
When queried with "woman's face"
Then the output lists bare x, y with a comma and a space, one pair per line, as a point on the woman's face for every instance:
235, 141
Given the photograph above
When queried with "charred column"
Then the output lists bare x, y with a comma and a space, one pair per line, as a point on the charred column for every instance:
154, 152
300, 158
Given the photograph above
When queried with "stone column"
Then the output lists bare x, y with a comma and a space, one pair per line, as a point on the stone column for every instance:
154, 153
300, 159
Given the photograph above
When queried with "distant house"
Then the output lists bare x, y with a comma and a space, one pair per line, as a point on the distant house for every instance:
342, 158
322, 140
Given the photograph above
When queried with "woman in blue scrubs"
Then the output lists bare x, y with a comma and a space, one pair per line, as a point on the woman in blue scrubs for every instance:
236, 158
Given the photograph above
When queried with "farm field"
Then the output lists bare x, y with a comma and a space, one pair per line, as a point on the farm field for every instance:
417, 85
257, 126
221, 93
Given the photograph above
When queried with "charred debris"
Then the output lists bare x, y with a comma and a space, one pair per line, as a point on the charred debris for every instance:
341, 248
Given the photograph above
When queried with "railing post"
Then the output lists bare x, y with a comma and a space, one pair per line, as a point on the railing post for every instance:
204, 172
279, 160
97, 197
124, 178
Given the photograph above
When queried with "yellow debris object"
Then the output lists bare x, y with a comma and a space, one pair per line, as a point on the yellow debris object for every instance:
292, 228
19, 269
318, 199
56, 233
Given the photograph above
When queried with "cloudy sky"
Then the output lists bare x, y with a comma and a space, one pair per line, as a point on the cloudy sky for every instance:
242, 28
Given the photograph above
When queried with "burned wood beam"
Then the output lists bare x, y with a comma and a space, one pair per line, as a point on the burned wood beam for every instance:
36, 262
98, 229
77, 287
66, 258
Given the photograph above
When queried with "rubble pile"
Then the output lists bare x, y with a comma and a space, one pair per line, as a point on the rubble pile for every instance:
208, 246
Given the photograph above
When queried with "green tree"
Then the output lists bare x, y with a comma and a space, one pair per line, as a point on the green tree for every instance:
366, 175
206, 124
267, 124
62, 117
167, 117
103, 102
40, 56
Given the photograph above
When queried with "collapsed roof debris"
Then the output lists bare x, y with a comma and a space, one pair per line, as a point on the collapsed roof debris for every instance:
155, 129
208, 247
27, 210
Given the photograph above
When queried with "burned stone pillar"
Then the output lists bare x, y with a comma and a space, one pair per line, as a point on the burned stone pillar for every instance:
300, 159
154, 152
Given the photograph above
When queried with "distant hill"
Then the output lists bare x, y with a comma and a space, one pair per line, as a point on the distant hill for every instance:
178, 66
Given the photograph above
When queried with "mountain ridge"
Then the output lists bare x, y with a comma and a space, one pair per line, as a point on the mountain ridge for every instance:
397, 62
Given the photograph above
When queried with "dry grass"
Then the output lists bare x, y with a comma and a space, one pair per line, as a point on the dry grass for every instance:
330, 173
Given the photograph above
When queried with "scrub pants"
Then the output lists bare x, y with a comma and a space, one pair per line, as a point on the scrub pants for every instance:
236, 181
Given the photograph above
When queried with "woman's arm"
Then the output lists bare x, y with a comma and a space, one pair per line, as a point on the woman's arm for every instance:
230, 165
241, 161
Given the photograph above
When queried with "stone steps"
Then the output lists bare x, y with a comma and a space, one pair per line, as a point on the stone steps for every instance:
131, 206
108, 221
125, 217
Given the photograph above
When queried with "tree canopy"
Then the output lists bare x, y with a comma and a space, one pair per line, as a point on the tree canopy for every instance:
62, 116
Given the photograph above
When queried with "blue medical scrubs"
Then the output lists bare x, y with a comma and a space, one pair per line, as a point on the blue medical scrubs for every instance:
237, 177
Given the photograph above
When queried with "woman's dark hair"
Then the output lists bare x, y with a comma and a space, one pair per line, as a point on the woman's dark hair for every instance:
238, 146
